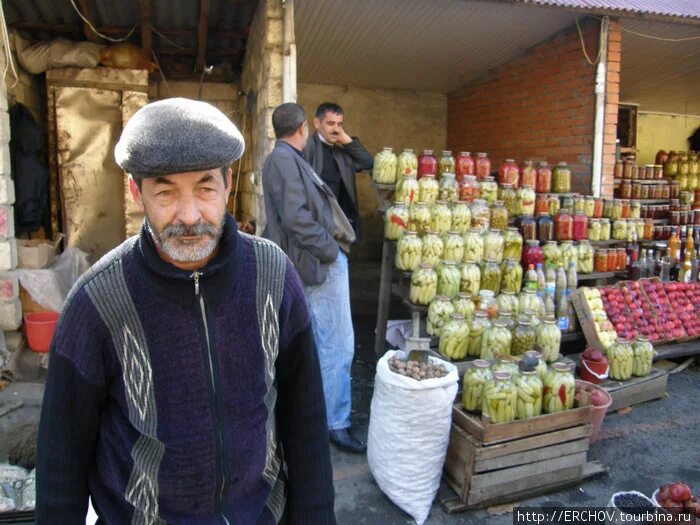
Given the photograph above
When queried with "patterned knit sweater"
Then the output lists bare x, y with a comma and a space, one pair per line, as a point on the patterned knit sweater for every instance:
180, 397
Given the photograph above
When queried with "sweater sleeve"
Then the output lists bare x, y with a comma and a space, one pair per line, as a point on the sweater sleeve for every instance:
301, 414
361, 158
74, 393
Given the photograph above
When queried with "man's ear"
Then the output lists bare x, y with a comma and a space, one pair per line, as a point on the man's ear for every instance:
136, 193
317, 123
229, 182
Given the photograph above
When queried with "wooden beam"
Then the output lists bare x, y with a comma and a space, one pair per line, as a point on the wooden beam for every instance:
87, 13
146, 28
200, 64
122, 31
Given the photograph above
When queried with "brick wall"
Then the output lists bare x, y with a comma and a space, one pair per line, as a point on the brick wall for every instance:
540, 106
612, 99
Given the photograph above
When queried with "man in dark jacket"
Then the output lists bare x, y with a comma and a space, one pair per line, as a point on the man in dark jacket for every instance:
305, 220
184, 386
337, 157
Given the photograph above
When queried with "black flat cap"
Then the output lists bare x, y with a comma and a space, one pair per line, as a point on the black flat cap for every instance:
177, 135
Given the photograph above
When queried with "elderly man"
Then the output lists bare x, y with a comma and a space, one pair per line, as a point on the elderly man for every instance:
304, 218
184, 385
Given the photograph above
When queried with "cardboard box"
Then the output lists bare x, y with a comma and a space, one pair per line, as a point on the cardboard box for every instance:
37, 253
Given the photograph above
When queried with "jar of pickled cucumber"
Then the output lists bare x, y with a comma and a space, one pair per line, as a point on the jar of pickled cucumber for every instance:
505, 364
594, 230
579, 204
448, 188
448, 278
433, 249
497, 341
530, 301
469, 188
569, 253
619, 230
407, 190
561, 178
424, 282
419, 218
408, 251
507, 194
470, 278
474, 245
643, 356
446, 163
440, 218
553, 205
559, 389
507, 302
406, 164
439, 311
427, 164
616, 211
395, 221
473, 383
511, 276
384, 169
479, 325
499, 399
635, 210
639, 226
541, 367
512, 244
529, 387
461, 216
589, 206
549, 339
498, 216
428, 189
464, 305
507, 317
454, 246
493, 245
489, 190
487, 303
481, 216
551, 254
526, 200
524, 338
491, 276
605, 229
454, 338
585, 257
621, 360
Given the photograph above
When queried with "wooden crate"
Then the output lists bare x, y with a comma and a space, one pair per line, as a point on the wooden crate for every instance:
637, 389
483, 474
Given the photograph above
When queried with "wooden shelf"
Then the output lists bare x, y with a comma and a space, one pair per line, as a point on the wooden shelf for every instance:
606, 243
385, 187
595, 276
644, 181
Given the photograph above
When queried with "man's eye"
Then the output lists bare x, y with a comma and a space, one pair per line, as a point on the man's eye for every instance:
164, 193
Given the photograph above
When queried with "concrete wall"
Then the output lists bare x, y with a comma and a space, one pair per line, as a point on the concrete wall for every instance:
663, 131
400, 119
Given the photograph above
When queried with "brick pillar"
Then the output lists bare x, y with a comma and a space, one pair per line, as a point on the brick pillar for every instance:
612, 101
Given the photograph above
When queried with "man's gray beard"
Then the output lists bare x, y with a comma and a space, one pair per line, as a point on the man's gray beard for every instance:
186, 253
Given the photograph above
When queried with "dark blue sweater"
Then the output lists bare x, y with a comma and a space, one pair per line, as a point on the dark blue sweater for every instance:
185, 398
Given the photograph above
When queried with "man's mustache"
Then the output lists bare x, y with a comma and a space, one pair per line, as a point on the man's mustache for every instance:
185, 230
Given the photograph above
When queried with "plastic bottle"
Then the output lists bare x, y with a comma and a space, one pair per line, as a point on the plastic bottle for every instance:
571, 277
561, 281
563, 313
549, 305
531, 277
541, 283
550, 281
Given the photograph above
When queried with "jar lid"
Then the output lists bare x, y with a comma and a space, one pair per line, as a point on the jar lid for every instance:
489, 179
561, 163
429, 175
510, 160
561, 367
481, 154
480, 313
528, 371
388, 148
534, 242
408, 150
464, 154
527, 162
442, 298
502, 375
457, 317
464, 295
453, 232
524, 322
449, 262
507, 292
410, 232
446, 153
425, 266
550, 319
486, 293
642, 339
442, 203
481, 363
533, 353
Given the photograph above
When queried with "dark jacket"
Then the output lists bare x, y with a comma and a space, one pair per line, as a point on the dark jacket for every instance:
351, 158
168, 401
299, 214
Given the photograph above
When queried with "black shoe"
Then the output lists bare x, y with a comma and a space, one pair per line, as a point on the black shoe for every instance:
344, 440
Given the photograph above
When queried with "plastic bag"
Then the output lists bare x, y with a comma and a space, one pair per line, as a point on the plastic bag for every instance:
60, 52
50, 286
409, 430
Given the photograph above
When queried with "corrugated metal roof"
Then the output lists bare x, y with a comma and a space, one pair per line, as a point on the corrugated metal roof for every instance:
679, 8
436, 46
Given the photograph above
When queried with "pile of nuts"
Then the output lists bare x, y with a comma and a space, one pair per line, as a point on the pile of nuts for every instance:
416, 370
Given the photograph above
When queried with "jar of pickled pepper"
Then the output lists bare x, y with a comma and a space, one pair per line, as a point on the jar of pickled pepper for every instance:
625, 212
600, 260
532, 254
598, 209
544, 178
469, 188
563, 225
483, 166
528, 174
464, 165
508, 173
541, 204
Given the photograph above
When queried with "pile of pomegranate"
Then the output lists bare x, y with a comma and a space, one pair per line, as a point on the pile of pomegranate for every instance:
677, 497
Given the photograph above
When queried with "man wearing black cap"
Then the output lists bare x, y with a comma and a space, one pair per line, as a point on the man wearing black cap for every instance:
184, 386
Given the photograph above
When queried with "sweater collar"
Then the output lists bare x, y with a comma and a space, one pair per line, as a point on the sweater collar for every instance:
216, 278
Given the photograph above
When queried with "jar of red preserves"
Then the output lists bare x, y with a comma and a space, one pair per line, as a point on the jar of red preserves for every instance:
621, 259
427, 163
545, 227
532, 253
598, 208
541, 205
528, 174
508, 173
625, 212
482, 166
601, 260
465, 165
580, 227
563, 225
544, 178
469, 188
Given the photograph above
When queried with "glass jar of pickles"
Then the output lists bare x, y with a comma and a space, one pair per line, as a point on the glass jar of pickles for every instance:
408, 251
532, 254
541, 367
600, 260
473, 246
569, 253
481, 216
561, 178
419, 218
470, 278
473, 383
424, 283
616, 211
461, 216
454, 338
440, 218
528, 174
553, 205
589, 206
493, 245
433, 249
384, 170
580, 226
508, 173
491, 276
621, 358
446, 163
526, 200
524, 338
551, 253
427, 164
479, 325
483, 166
585, 258
579, 204
529, 301
469, 188
549, 339
511, 276
406, 165
545, 227
395, 221
643, 356
439, 311
489, 190
635, 210
529, 387
487, 302
497, 341
498, 216
544, 178
619, 230
499, 398
464, 166
448, 190
507, 194
594, 230
407, 190
428, 189
605, 229
563, 225
507, 303
449, 276
463, 304
504, 363
512, 244
541, 204
559, 389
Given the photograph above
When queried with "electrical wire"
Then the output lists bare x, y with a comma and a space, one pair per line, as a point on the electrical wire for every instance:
162, 75
168, 40
9, 62
652, 37
92, 27
603, 25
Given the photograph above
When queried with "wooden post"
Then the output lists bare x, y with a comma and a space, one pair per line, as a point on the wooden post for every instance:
385, 278
87, 13
146, 28
202, 35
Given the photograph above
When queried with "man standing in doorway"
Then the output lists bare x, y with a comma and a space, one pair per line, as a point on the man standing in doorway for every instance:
306, 221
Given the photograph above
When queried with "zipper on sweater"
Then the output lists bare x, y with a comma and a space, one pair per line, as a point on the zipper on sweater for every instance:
217, 416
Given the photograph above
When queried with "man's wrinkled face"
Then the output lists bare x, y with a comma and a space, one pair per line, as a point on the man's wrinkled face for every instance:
329, 127
185, 214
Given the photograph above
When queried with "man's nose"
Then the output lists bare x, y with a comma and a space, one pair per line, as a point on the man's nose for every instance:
188, 211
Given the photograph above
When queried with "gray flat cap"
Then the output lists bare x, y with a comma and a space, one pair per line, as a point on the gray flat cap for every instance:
177, 135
